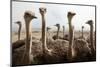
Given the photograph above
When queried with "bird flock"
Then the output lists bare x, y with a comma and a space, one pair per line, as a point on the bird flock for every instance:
54, 49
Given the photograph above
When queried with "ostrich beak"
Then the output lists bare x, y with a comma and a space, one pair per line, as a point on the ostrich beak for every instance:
74, 14
87, 23
17, 22
35, 17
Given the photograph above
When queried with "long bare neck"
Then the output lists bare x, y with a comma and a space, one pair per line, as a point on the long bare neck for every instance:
27, 56
28, 35
48, 33
63, 31
73, 35
43, 31
58, 32
19, 31
70, 32
82, 32
91, 35
70, 40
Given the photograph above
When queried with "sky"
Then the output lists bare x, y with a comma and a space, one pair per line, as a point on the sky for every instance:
56, 13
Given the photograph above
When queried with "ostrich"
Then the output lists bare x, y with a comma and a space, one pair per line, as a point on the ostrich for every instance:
65, 36
82, 34
58, 27
19, 42
44, 46
70, 16
78, 48
57, 35
92, 46
19, 30
51, 54
28, 16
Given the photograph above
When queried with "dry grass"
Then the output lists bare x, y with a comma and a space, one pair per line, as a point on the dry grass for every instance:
59, 47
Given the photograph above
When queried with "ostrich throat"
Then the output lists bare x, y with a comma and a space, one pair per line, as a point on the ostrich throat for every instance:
43, 32
28, 35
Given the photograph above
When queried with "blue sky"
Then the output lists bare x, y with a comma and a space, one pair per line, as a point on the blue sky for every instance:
55, 14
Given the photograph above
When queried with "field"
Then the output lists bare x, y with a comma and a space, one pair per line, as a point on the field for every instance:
37, 34
59, 48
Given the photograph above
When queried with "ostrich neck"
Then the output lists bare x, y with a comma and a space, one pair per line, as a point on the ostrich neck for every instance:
43, 32
28, 35
19, 31
63, 31
91, 31
91, 35
70, 39
82, 32
70, 33
58, 32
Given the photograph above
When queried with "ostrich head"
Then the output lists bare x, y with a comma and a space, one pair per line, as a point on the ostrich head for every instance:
63, 26
28, 16
48, 28
82, 27
18, 22
42, 10
90, 22
70, 15
57, 25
